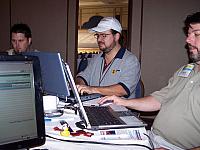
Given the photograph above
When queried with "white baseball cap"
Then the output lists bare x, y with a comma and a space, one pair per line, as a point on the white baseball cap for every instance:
107, 23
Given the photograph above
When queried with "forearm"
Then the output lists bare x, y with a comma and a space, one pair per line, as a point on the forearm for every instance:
116, 89
148, 103
79, 81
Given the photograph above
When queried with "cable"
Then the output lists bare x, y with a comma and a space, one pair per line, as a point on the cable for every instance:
94, 142
150, 141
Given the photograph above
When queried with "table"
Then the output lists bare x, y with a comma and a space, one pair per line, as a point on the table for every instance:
86, 143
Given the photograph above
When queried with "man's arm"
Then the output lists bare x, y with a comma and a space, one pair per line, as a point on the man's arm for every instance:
79, 81
148, 103
116, 89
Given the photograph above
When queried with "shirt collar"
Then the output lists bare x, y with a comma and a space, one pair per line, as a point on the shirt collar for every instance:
119, 54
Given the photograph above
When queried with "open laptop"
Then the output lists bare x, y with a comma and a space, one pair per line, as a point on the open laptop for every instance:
53, 76
125, 118
21, 107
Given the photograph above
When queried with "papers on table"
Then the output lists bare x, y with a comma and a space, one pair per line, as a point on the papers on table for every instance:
122, 136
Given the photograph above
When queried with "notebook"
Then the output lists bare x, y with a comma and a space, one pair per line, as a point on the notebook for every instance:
125, 118
21, 107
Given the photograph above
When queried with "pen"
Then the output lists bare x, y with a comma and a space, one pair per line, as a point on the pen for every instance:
52, 119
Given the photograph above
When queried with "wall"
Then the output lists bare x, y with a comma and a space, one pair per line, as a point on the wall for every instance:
53, 24
162, 40
72, 34
47, 20
4, 25
159, 35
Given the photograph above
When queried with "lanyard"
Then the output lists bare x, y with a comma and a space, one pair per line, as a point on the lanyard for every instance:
103, 71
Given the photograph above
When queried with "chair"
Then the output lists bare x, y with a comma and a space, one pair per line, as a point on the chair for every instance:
147, 117
139, 91
83, 63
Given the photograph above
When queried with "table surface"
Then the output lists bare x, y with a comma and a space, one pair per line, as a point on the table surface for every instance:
82, 142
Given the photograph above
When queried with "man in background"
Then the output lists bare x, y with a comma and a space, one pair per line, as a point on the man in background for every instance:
115, 70
21, 38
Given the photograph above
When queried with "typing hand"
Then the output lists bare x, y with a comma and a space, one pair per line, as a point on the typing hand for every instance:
114, 99
84, 89
109, 102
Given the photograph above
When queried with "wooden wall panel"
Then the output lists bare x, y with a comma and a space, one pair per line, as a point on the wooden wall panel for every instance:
4, 25
47, 20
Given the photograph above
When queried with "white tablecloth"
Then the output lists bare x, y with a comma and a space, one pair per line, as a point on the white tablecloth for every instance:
68, 144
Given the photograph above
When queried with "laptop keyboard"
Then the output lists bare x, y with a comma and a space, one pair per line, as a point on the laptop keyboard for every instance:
101, 116
87, 97
84, 97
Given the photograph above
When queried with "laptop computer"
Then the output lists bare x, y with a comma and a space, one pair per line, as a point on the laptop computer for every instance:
53, 76
21, 107
125, 118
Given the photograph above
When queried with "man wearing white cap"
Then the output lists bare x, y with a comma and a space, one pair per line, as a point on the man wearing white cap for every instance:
115, 71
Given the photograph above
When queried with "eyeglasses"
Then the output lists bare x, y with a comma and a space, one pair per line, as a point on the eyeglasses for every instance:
101, 35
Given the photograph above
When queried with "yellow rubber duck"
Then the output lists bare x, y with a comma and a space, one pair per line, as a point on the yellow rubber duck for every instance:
65, 132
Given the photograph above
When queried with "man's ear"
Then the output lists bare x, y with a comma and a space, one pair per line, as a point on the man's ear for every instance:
117, 36
29, 41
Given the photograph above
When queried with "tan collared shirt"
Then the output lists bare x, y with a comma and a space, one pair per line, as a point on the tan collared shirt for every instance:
179, 118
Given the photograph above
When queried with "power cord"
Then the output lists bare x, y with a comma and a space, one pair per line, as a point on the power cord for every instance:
150, 141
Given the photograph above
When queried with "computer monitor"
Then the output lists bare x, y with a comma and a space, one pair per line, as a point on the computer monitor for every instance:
53, 75
21, 107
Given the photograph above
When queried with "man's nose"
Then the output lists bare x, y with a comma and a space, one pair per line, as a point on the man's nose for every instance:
100, 38
16, 42
190, 38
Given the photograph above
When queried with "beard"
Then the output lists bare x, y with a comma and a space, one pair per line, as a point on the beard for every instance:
194, 57
106, 49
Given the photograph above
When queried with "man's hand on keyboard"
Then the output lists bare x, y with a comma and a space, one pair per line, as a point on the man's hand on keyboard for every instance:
114, 99
85, 89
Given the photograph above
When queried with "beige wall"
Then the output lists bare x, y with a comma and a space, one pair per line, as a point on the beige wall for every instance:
54, 25
4, 24
162, 41
47, 20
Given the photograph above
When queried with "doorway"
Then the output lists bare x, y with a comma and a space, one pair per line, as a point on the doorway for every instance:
90, 13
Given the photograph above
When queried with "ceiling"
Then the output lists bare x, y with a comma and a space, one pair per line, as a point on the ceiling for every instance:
101, 2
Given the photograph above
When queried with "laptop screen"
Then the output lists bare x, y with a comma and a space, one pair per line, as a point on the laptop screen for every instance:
21, 107
53, 75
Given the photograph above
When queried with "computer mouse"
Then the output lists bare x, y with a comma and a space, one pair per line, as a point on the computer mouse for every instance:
107, 103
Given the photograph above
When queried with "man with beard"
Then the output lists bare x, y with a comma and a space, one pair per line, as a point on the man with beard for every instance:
115, 70
177, 125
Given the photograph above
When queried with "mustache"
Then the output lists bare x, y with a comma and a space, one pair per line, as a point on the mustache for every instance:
191, 46
100, 43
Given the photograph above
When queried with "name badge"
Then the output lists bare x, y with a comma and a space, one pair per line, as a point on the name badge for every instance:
186, 70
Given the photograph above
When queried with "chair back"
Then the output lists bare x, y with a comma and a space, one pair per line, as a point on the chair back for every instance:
139, 91
83, 64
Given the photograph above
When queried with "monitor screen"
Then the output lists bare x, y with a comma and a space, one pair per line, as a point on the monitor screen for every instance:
53, 75
21, 107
